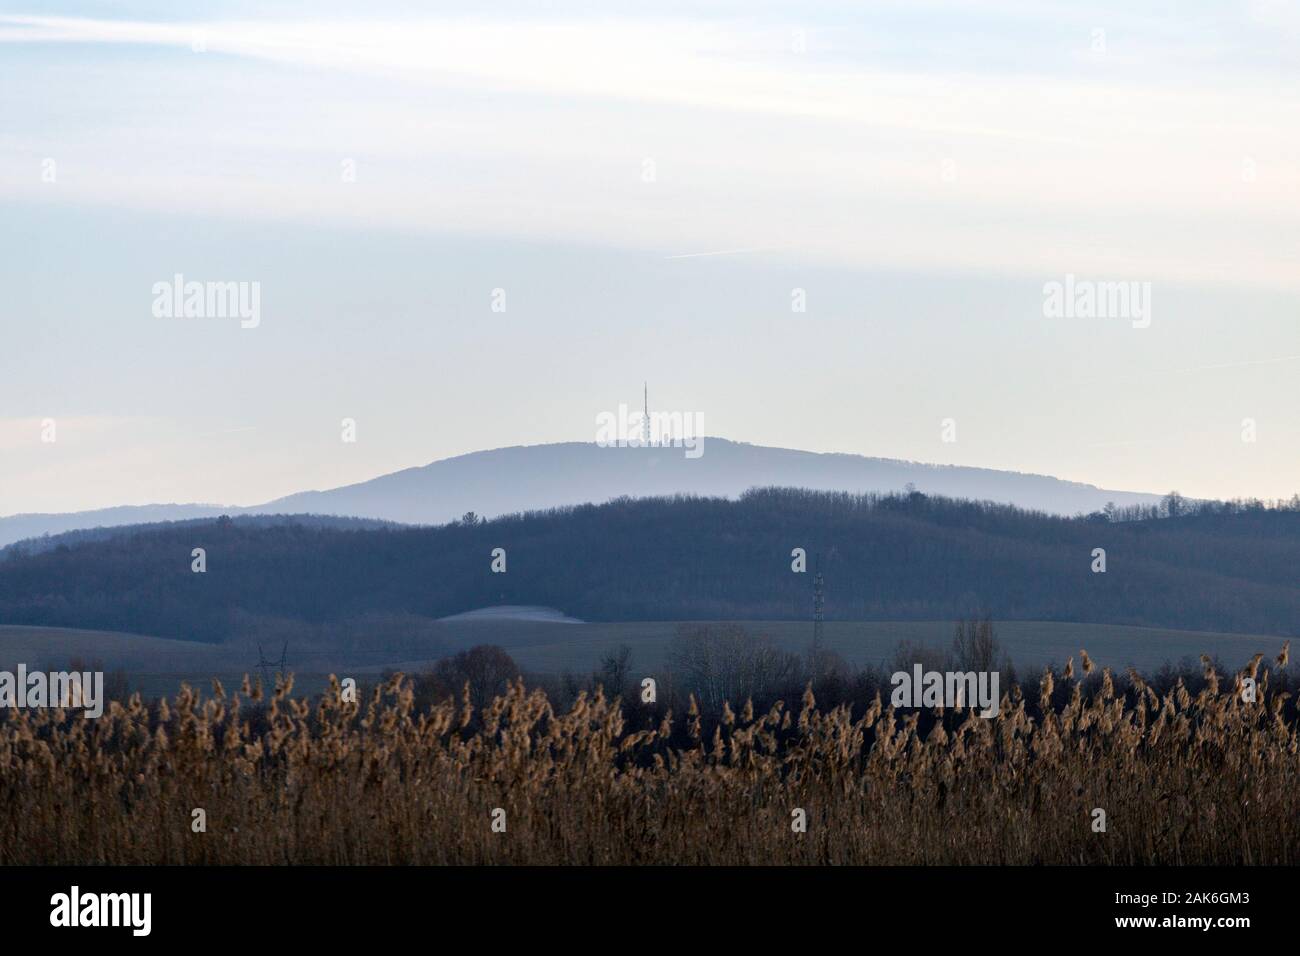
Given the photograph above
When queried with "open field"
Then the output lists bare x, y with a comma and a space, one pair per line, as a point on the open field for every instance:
153, 665
54, 647
156, 665
1031, 644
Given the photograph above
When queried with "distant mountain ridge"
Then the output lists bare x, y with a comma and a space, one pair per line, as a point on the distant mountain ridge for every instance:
532, 477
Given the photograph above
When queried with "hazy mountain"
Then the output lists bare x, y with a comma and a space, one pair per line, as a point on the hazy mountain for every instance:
20, 527
522, 478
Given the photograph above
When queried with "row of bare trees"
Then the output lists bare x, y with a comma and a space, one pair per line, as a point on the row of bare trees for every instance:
717, 663
725, 662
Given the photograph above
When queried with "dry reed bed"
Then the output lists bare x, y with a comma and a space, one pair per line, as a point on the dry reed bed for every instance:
1183, 780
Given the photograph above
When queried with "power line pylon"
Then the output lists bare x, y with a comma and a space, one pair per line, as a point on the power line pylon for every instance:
819, 614
264, 666
817, 651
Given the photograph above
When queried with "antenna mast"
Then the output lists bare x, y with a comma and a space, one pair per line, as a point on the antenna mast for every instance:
645, 421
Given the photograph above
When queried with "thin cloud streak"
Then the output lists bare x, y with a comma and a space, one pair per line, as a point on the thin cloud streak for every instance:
862, 164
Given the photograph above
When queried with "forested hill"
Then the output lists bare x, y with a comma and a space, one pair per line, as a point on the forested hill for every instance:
884, 557
49, 542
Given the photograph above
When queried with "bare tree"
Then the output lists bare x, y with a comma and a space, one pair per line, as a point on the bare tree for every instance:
486, 667
909, 653
974, 645
614, 669
1173, 504
723, 662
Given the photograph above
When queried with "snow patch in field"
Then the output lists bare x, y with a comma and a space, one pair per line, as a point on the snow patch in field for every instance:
515, 612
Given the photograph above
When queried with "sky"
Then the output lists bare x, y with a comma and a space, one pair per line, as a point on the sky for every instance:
819, 225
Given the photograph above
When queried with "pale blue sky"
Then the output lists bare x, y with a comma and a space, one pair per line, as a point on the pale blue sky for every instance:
920, 169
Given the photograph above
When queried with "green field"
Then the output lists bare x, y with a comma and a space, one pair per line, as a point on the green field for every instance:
555, 648
157, 665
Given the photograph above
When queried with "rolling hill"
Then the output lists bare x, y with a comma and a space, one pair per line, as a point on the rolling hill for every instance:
523, 478
892, 557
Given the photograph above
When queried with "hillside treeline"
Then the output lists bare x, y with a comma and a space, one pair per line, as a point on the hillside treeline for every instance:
48, 542
884, 557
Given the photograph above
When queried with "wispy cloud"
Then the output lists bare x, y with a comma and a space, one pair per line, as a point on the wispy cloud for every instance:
762, 134
649, 182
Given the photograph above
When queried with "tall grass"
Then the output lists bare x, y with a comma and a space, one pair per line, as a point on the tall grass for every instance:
1182, 779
